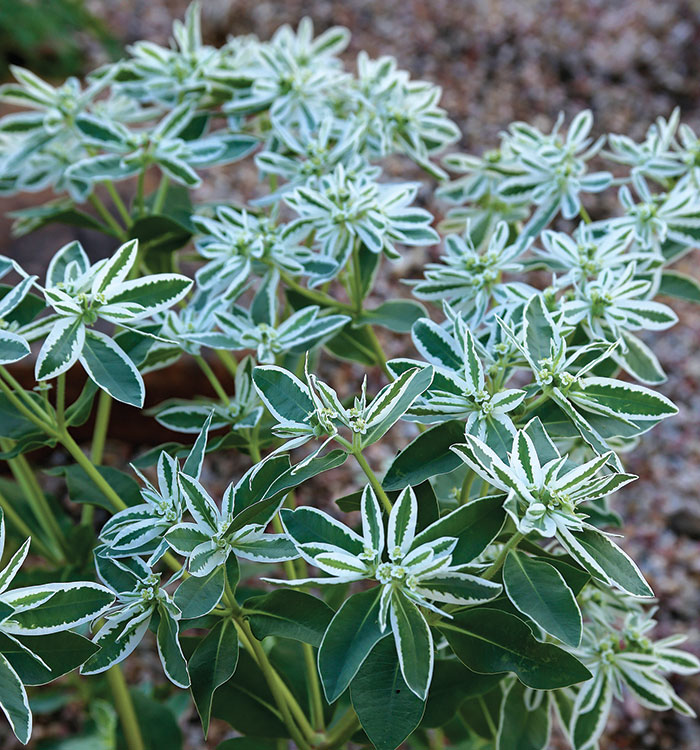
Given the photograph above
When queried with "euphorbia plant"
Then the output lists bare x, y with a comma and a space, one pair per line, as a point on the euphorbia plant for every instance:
469, 595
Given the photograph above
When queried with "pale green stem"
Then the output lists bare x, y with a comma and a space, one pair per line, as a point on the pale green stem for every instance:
342, 731
125, 708
111, 222
161, 193
99, 437
18, 522
211, 377
228, 360
466, 486
498, 562
26, 481
118, 202
376, 484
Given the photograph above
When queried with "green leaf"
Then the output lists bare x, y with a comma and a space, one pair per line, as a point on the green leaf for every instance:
522, 727
386, 707
68, 605
61, 348
539, 591
475, 524
61, 652
397, 315
248, 743
414, 644
81, 488
428, 455
198, 595
393, 401
247, 704
350, 637
289, 614
680, 286
109, 366
13, 701
61, 211
211, 665
285, 395
169, 649
157, 721
490, 642
625, 400
452, 684
604, 559
160, 236
354, 345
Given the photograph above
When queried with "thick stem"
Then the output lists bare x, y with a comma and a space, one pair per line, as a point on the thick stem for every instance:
342, 731
229, 361
498, 562
466, 486
139, 191
376, 484
118, 202
211, 377
310, 662
88, 467
125, 708
99, 435
110, 221
27, 482
18, 522
378, 352
162, 192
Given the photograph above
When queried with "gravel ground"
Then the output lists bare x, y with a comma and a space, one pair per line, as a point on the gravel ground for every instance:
498, 61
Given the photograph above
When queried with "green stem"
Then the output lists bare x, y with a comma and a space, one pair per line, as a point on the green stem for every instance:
276, 686
111, 222
228, 360
376, 484
139, 191
378, 351
437, 739
498, 562
161, 193
322, 299
342, 731
27, 482
314, 685
487, 716
118, 202
541, 399
61, 400
356, 280
99, 434
466, 486
88, 467
24, 396
125, 708
18, 522
585, 215
211, 377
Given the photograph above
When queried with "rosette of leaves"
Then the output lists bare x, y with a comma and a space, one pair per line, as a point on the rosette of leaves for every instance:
80, 294
140, 529
313, 410
415, 573
240, 413
459, 389
344, 213
467, 276
564, 376
544, 498
258, 328
139, 597
622, 657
